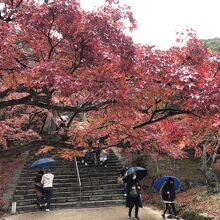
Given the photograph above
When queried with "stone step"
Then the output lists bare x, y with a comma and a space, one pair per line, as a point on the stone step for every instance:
22, 190
88, 204
99, 184
85, 181
74, 175
68, 194
82, 169
74, 199
83, 172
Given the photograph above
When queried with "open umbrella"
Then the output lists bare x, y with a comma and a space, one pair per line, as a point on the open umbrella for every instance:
140, 173
159, 183
43, 163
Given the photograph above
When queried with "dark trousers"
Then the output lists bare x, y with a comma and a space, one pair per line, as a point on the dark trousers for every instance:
48, 195
105, 162
86, 157
39, 194
168, 205
136, 210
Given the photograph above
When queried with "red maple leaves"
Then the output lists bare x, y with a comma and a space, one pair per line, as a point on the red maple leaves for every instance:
55, 57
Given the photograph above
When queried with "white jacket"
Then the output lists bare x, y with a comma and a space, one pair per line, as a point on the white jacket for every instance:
47, 180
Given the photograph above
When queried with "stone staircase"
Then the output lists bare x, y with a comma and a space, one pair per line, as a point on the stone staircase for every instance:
99, 184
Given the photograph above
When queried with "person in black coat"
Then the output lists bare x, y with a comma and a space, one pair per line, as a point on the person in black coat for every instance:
133, 196
168, 196
39, 188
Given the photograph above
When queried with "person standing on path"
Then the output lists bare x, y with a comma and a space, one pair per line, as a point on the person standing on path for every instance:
47, 182
133, 196
168, 196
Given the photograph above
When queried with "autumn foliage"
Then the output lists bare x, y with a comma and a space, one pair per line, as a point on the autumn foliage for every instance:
56, 57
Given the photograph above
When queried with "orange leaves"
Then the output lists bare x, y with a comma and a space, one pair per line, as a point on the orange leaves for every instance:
69, 154
15, 79
9, 81
44, 150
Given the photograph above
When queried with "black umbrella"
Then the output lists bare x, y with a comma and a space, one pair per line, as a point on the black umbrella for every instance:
139, 171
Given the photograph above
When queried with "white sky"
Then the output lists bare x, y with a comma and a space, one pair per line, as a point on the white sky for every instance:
159, 20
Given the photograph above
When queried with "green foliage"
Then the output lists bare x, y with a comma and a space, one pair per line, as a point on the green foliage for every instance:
213, 44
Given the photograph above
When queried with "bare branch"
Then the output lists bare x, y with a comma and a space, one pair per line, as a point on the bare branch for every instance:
169, 113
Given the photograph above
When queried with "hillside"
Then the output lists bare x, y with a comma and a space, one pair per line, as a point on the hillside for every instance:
213, 43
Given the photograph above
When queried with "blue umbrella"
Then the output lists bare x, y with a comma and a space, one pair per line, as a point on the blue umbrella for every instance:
42, 163
159, 183
139, 171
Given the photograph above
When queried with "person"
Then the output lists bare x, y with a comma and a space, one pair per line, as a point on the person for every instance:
103, 157
122, 173
133, 196
168, 196
95, 154
39, 188
86, 157
47, 182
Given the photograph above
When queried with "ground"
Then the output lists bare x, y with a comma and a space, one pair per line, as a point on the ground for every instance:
106, 213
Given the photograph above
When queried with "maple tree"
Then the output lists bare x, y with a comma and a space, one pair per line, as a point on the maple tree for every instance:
56, 58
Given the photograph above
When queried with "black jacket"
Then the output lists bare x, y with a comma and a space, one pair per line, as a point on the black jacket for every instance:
168, 192
38, 180
133, 201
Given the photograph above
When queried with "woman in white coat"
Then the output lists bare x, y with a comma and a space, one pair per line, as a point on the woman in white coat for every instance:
103, 157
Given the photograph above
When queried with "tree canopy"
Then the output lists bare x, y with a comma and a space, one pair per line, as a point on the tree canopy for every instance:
56, 57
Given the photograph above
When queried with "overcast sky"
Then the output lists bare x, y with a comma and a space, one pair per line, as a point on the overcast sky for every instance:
159, 20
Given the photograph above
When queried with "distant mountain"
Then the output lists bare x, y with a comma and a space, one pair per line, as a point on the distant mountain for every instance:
213, 43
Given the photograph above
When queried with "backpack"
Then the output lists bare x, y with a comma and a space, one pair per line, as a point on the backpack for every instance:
133, 193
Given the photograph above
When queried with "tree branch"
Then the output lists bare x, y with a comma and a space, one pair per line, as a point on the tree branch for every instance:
170, 112
51, 141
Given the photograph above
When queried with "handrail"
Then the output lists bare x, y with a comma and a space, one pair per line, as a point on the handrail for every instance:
78, 176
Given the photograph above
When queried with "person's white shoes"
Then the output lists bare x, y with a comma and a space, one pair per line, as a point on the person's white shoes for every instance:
47, 210
86, 164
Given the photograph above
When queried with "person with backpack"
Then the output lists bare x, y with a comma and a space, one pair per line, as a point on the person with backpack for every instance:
39, 188
133, 196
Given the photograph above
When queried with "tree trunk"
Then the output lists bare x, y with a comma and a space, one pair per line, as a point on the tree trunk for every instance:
157, 165
208, 161
213, 185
